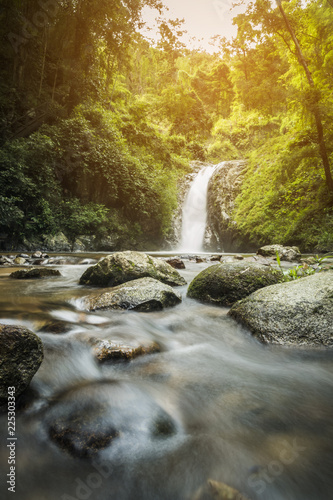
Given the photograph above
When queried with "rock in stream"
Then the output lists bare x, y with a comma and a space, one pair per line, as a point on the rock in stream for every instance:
126, 266
224, 284
144, 295
299, 312
21, 354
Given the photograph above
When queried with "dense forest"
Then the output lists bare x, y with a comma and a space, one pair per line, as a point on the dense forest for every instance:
98, 123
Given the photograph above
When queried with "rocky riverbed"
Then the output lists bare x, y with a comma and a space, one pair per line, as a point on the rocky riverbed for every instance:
181, 402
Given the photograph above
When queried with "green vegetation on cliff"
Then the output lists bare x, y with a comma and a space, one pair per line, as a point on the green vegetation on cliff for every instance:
291, 206
98, 123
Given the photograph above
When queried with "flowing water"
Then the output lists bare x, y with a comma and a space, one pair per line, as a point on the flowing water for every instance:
194, 217
256, 417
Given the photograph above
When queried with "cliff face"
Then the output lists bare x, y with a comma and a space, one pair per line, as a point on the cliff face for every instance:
223, 188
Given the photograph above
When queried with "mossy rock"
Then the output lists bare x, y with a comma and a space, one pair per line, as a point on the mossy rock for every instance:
122, 267
225, 284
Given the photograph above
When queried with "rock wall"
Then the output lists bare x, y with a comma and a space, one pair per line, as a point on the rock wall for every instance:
60, 243
223, 188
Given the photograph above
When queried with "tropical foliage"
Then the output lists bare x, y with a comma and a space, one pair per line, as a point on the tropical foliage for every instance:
98, 123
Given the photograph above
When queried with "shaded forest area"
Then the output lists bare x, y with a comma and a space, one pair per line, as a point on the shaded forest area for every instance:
98, 124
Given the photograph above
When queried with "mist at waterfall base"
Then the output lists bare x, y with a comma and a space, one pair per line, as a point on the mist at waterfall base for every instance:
258, 418
194, 218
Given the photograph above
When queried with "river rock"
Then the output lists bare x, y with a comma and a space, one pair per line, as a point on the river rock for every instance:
106, 350
92, 417
298, 312
221, 491
224, 284
20, 261
56, 326
4, 261
57, 243
144, 295
231, 258
259, 259
290, 254
83, 430
34, 274
121, 267
217, 491
21, 356
176, 263
37, 255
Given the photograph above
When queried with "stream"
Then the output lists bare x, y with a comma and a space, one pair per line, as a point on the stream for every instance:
256, 417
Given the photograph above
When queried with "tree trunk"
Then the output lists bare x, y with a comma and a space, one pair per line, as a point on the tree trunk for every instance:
43, 63
79, 33
316, 109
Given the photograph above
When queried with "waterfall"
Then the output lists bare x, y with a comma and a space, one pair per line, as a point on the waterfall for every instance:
195, 212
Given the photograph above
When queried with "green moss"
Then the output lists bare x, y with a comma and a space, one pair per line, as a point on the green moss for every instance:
224, 284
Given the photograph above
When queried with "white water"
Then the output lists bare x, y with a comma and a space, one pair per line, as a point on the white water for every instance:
195, 212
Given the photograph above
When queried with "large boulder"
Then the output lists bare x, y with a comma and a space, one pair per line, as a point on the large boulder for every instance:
57, 243
298, 312
224, 284
144, 295
121, 267
290, 254
21, 356
30, 274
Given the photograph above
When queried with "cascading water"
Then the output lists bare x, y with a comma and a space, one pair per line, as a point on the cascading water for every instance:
195, 212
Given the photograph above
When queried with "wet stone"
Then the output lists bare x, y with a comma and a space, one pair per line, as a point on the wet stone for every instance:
4, 260
215, 490
84, 431
105, 350
163, 426
19, 261
93, 417
176, 263
21, 356
290, 254
57, 327
35, 274
37, 255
